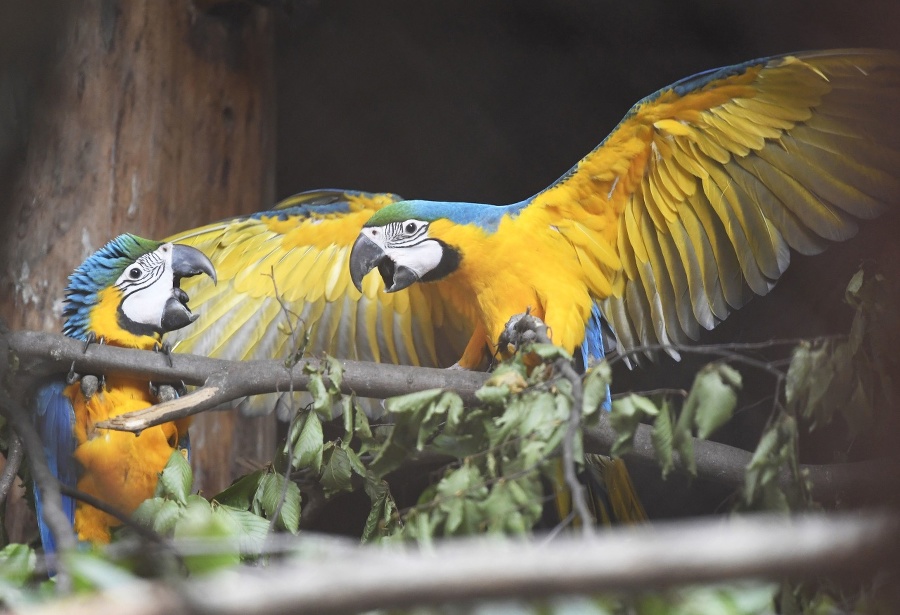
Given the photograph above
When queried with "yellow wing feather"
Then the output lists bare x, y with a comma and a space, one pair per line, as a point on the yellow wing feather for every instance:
286, 270
704, 187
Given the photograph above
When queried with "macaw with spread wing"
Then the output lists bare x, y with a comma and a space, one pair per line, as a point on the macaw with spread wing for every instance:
678, 217
125, 294
684, 212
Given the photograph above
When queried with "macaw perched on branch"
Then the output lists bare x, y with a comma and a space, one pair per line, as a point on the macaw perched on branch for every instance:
684, 212
125, 294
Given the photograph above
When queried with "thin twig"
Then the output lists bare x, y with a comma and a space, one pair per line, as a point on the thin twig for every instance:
14, 455
46, 482
112, 511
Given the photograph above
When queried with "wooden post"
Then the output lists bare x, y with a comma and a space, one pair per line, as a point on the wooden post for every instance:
154, 116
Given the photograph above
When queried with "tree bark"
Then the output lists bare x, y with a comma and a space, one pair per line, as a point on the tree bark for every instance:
152, 117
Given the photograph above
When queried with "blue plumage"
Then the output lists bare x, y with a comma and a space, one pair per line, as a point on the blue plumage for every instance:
55, 420
487, 217
593, 348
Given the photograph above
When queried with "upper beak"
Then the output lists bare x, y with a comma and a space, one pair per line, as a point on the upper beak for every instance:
365, 256
188, 261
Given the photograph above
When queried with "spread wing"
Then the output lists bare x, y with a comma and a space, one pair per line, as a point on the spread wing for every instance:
691, 205
283, 274
54, 418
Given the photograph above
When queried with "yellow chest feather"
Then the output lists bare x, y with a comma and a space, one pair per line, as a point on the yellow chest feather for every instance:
511, 271
117, 467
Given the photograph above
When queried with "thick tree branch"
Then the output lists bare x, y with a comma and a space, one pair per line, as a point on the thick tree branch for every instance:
45, 353
622, 558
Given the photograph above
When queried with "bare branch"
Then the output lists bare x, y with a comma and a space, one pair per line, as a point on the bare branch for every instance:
622, 558
47, 353
14, 456
224, 380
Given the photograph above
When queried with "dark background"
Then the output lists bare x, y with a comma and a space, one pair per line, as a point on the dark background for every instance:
492, 101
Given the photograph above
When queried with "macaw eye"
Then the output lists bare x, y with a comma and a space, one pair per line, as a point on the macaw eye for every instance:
410, 227
135, 273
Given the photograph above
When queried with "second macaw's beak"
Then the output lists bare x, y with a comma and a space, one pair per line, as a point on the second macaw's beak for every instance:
366, 255
186, 262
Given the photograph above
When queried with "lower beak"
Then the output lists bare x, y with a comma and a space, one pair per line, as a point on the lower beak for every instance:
364, 257
176, 314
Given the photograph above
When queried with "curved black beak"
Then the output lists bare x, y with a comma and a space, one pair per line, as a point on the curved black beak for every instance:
364, 257
188, 261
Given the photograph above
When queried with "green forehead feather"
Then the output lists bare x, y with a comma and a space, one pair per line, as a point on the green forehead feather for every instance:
395, 212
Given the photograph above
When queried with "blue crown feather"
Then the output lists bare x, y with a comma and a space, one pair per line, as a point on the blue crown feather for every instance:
99, 271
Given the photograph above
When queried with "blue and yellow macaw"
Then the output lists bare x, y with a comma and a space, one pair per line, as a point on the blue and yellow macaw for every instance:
126, 294
685, 211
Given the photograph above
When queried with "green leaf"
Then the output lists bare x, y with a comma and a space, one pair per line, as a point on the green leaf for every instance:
272, 485
401, 440
549, 352
199, 523
158, 514
91, 571
798, 372
360, 421
241, 493
321, 397
493, 395
663, 438
625, 416
712, 399
595, 388
175, 479
308, 450
250, 530
335, 371
17, 563
851, 295
382, 517
412, 402
336, 471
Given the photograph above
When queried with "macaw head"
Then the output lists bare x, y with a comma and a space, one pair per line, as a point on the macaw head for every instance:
407, 241
128, 291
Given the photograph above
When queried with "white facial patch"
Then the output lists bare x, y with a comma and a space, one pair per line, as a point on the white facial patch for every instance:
420, 258
147, 285
408, 245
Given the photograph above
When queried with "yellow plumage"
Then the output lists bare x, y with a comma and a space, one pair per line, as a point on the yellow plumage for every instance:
117, 466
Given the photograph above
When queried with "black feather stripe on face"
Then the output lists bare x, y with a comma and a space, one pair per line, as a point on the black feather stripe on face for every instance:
450, 259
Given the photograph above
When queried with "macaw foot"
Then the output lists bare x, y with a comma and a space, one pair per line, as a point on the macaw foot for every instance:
166, 350
519, 330
164, 392
90, 384
458, 366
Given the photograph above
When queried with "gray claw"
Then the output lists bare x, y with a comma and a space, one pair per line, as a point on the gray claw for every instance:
89, 385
